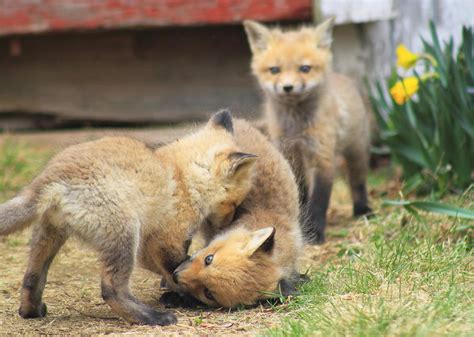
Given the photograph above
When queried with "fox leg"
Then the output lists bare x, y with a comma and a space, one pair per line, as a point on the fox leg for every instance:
118, 259
358, 166
319, 203
45, 244
296, 159
302, 187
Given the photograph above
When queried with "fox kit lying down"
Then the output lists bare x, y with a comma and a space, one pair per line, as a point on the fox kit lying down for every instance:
259, 253
312, 113
128, 202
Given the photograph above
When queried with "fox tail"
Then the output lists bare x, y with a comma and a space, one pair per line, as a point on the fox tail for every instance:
16, 214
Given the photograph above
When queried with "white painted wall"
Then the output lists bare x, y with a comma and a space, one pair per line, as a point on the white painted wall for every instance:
368, 49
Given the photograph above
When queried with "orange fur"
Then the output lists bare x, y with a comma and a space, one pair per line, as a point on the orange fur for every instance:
241, 273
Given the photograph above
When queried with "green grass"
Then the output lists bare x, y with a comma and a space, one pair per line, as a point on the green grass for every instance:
19, 164
409, 276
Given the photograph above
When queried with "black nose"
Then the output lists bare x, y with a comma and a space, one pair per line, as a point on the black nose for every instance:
175, 277
288, 88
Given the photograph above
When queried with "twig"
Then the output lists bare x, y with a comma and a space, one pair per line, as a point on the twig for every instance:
48, 324
92, 316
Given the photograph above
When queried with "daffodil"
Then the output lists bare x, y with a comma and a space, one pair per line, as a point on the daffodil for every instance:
403, 90
406, 58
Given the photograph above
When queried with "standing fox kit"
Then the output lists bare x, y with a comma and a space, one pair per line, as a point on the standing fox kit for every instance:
257, 256
312, 114
129, 202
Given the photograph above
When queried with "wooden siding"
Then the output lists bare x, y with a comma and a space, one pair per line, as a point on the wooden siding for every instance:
34, 16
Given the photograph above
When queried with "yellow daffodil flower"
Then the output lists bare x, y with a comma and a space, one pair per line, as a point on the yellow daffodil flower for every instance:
403, 90
406, 58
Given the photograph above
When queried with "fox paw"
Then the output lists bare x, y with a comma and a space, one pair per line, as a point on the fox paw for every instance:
363, 210
160, 318
172, 299
33, 312
315, 237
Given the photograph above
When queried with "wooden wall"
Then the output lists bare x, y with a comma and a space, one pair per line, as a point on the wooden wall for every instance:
158, 75
172, 74
33, 16
119, 61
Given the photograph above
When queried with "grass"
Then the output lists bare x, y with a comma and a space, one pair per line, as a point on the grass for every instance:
19, 163
408, 276
391, 275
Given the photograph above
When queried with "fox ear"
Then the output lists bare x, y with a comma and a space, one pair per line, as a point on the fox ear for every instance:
257, 34
261, 240
240, 162
222, 119
323, 33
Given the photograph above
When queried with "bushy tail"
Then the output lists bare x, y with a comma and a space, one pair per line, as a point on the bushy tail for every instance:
16, 214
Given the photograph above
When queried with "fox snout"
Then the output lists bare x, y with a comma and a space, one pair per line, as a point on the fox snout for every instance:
290, 88
180, 268
175, 277
289, 84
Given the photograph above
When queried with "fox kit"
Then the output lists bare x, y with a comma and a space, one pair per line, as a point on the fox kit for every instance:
312, 113
258, 254
129, 202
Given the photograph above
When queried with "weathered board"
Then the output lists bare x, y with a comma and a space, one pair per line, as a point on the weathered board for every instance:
33, 16
169, 74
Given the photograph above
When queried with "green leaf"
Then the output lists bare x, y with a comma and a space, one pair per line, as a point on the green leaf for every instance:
411, 153
433, 207
468, 49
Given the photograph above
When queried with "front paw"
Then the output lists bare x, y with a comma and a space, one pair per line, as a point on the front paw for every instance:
172, 299
33, 312
160, 318
314, 234
316, 238
360, 210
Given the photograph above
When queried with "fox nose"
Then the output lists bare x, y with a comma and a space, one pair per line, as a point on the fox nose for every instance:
288, 88
175, 277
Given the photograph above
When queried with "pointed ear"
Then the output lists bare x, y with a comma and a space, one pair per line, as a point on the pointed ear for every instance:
323, 33
239, 162
222, 119
261, 240
257, 34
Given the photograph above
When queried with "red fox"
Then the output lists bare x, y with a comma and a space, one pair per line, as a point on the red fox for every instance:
258, 255
129, 202
312, 114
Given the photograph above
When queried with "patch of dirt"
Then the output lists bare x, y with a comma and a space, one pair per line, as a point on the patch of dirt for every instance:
75, 305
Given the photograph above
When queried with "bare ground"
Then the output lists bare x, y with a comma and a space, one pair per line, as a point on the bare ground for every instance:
72, 293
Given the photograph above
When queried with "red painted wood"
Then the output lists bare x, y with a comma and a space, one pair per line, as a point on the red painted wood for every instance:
33, 16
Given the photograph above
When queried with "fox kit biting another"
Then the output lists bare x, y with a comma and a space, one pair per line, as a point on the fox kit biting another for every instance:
129, 202
257, 255
312, 114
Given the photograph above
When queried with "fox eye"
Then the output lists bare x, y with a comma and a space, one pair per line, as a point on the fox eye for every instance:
208, 294
305, 69
208, 259
274, 70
